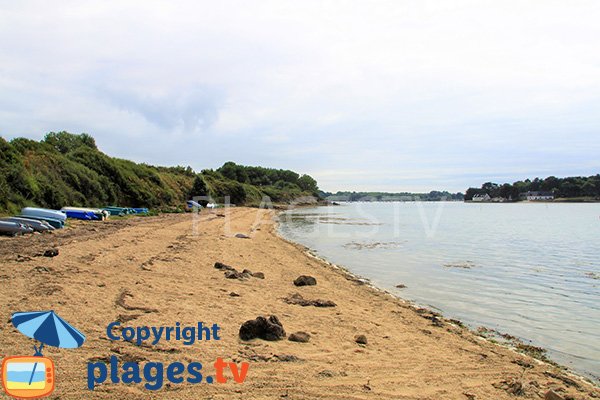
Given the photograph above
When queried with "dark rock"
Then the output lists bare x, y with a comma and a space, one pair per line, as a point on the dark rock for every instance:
233, 275
566, 380
322, 303
262, 328
523, 363
360, 339
285, 358
41, 269
221, 266
253, 328
513, 386
51, 253
259, 275
305, 280
247, 271
327, 373
234, 294
401, 286
552, 395
241, 236
297, 299
301, 337
457, 322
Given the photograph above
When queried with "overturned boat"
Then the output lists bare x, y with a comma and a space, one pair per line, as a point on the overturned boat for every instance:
55, 223
85, 213
43, 213
119, 211
14, 228
191, 205
36, 225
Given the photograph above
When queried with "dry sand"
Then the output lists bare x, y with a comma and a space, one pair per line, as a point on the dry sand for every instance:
157, 271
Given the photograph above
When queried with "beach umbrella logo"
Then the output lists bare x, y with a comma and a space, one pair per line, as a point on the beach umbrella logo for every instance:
33, 377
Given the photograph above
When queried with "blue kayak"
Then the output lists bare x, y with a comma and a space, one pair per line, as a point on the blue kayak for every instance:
140, 210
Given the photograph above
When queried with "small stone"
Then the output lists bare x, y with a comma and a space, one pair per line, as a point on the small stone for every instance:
286, 357
259, 275
401, 286
297, 299
552, 395
326, 373
51, 253
305, 280
360, 339
233, 275
234, 294
301, 337
247, 271
221, 266
241, 236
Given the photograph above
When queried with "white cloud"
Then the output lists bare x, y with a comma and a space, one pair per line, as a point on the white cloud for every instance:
445, 92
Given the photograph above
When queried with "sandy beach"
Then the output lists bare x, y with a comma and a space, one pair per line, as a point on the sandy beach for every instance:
156, 271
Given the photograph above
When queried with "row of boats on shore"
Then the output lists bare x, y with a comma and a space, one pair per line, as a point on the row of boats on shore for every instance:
33, 219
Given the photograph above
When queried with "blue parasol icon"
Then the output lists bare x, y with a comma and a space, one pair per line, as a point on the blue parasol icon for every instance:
48, 328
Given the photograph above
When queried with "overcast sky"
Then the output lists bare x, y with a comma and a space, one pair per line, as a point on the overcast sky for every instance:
363, 95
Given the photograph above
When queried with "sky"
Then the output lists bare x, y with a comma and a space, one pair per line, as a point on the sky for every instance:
362, 95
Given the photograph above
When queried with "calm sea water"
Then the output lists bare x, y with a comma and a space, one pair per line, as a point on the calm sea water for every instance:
528, 269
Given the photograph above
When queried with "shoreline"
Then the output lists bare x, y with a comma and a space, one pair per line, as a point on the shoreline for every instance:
495, 337
116, 270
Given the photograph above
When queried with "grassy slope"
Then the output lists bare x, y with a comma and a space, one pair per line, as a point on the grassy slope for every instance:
65, 169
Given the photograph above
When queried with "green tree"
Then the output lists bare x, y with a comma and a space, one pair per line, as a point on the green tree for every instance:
199, 188
65, 142
308, 184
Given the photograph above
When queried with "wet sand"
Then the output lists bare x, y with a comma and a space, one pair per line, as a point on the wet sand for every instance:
156, 271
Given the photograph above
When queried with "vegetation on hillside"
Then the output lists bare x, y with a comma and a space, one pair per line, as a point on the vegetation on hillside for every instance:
402, 196
249, 185
577, 187
66, 169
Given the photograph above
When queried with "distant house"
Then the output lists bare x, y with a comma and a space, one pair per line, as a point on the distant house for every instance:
481, 197
536, 196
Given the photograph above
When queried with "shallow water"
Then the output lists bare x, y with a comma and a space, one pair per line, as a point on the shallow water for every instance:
528, 269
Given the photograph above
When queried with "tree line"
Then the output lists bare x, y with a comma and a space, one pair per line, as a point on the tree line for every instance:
261, 176
575, 187
434, 195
